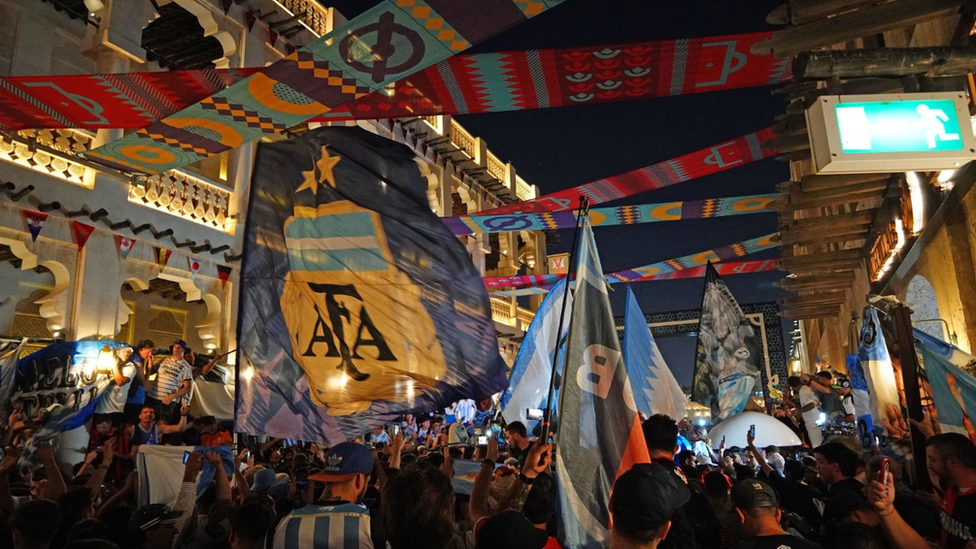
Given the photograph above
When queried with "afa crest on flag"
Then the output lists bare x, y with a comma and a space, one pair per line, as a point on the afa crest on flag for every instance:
357, 303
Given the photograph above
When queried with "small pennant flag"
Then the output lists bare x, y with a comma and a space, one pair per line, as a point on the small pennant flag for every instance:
194, 266
35, 222
162, 256
272, 36
223, 272
249, 18
125, 245
226, 5
81, 232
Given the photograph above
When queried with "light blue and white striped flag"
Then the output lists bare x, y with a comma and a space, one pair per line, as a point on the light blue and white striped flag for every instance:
528, 385
656, 391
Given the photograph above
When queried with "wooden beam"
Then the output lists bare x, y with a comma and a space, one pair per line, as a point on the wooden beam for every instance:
937, 61
838, 200
804, 11
813, 183
814, 285
855, 24
863, 218
838, 255
812, 239
797, 196
796, 281
810, 315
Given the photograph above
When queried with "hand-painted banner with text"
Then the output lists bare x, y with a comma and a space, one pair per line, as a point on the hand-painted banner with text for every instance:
607, 217
717, 158
731, 251
485, 82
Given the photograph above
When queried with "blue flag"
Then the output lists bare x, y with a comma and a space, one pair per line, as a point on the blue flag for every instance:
357, 303
528, 384
950, 384
656, 391
599, 430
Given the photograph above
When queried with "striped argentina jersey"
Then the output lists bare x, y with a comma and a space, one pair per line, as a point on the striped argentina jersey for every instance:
340, 526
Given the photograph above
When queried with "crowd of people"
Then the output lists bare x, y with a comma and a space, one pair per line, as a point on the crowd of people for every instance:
399, 486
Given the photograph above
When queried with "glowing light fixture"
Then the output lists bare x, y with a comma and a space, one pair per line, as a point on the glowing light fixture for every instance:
900, 231
918, 201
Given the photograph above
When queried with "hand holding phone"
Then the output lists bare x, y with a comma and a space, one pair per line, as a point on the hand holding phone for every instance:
752, 431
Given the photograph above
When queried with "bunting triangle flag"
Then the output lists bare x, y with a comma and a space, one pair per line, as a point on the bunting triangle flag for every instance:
656, 391
223, 273
162, 256
249, 20
125, 245
728, 354
35, 222
226, 4
81, 233
194, 266
597, 416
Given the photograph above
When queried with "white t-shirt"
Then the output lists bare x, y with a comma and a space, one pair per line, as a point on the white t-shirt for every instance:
113, 401
847, 406
808, 395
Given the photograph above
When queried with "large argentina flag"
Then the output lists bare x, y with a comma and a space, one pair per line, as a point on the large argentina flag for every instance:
599, 435
357, 303
528, 384
656, 391
879, 375
951, 383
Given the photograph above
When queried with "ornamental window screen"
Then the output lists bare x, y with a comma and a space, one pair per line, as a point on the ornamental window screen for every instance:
167, 325
28, 321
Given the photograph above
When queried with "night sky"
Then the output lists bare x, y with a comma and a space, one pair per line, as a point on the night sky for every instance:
564, 147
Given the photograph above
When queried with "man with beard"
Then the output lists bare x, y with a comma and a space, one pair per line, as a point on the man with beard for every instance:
951, 458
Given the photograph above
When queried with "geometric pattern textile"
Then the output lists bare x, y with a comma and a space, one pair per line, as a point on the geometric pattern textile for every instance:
463, 84
606, 217
723, 253
391, 41
723, 156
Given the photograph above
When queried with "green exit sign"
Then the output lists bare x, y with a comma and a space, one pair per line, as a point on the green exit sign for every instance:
892, 132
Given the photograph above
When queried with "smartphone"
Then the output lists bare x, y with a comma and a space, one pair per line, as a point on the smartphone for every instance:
883, 473
482, 441
186, 457
752, 430
301, 479
534, 413
723, 440
396, 429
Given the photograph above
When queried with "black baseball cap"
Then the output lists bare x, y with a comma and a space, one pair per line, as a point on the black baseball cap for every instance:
752, 493
510, 530
841, 505
646, 497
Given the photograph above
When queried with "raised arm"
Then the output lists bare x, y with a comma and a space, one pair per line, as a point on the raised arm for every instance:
478, 504
896, 531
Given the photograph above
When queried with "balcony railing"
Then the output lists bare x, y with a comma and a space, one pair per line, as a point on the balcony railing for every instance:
183, 195
501, 312
310, 12
50, 152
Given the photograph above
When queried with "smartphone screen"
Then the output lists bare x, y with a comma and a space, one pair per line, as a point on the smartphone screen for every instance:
186, 457
482, 440
301, 479
534, 413
396, 429
752, 430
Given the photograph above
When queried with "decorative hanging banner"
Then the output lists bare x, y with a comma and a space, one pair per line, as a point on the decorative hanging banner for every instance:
463, 84
607, 217
35, 222
723, 253
724, 269
194, 266
81, 233
223, 273
730, 154
125, 245
518, 80
384, 44
162, 256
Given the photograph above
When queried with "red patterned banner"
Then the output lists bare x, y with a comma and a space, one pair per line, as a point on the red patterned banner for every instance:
488, 82
724, 269
724, 156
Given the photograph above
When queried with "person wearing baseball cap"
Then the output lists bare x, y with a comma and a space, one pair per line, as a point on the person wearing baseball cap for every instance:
758, 508
153, 526
643, 501
334, 499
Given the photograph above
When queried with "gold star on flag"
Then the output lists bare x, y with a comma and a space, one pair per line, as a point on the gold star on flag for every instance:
310, 182
325, 165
